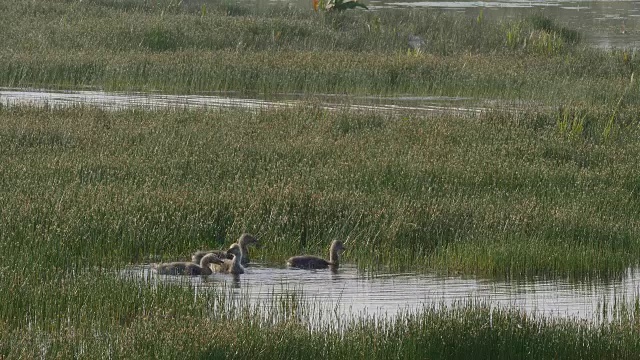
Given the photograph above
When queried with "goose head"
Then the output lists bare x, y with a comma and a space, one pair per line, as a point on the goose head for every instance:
248, 239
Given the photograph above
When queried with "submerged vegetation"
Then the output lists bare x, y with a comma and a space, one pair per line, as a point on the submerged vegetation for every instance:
550, 189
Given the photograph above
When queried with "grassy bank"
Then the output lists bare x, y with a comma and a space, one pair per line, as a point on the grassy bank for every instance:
226, 46
95, 315
534, 193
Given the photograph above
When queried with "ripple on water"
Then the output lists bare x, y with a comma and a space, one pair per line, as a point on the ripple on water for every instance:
351, 292
601, 22
153, 101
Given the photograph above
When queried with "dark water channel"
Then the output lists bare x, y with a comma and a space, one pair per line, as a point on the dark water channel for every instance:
349, 292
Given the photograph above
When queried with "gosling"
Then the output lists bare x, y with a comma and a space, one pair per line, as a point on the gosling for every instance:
244, 241
314, 262
233, 266
187, 268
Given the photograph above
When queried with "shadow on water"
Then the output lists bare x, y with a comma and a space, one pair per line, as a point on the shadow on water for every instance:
349, 292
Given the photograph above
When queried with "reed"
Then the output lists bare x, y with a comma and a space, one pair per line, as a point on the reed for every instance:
97, 314
488, 195
548, 190
175, 47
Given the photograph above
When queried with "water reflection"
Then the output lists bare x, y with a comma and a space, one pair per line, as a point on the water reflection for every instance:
350, 292
151, 101
605, 24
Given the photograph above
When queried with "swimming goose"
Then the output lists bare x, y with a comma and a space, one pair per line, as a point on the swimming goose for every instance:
244, 241
187, 268
314, 262
233, 266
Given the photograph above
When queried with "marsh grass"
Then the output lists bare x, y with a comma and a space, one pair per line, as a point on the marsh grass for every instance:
96, 315
86, 191
176, 47
87, 187
536, 192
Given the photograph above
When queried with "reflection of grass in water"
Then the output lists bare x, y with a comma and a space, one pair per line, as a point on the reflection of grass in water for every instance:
165, 46
494, 195
95, 315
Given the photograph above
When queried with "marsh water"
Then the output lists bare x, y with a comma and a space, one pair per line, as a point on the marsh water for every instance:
605, 24
118, 101
347, 292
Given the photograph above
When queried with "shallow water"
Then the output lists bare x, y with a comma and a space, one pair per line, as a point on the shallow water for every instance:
115, 101
353, 293
604, 24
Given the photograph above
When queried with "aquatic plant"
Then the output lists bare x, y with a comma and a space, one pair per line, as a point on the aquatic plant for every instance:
607, 130
539, 35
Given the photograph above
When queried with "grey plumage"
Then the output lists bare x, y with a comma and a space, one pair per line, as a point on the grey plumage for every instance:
188, 268
233, 266
416, 43
315, 262
244, 241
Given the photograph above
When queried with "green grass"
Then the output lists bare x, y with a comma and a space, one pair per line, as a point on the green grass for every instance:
493, 195
548, 190
163, 46
95, 315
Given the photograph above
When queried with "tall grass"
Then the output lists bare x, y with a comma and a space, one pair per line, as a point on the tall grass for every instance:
98, 316
176, 47
493, 195
85, 191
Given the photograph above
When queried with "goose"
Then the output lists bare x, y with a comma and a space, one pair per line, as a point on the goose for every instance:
188, 268
314, 262
244, 241
416, 43
233, 266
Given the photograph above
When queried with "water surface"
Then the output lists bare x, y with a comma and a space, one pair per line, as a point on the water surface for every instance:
117, 101
605, 24
353, 293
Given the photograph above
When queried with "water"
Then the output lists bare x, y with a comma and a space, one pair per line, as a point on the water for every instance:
117, 101
353, 293
604, 24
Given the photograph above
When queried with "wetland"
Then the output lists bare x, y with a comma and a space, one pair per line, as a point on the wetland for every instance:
485, 187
